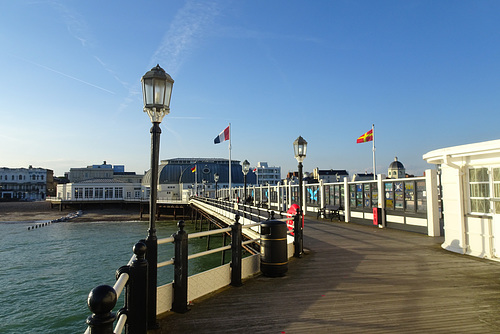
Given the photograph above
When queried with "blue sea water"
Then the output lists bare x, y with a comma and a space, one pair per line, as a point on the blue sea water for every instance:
47, 273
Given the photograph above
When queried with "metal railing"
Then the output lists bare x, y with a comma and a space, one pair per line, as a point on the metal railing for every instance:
102, 299
133, 277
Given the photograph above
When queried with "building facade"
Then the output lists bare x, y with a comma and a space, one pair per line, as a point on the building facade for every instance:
100, 190
330, 175
267, 175
103, 171
470, 181
101, 182
180, 178
396, 170
28, 184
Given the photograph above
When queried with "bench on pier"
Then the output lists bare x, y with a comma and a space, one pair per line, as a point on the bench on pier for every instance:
330, 211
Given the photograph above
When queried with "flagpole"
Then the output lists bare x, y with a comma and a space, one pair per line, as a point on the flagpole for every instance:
374, 165
196, 179
230, 192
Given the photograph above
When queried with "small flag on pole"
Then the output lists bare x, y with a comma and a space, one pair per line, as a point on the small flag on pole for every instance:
368, 136
223, 136
193, 169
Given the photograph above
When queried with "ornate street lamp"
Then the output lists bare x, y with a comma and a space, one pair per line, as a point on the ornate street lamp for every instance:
156, 90
245, 169
216, 179
300, 148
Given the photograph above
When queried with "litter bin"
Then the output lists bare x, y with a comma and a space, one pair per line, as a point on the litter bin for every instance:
273, 248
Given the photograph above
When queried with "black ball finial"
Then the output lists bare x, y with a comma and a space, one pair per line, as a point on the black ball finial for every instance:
102, 299
181, 225
139, 249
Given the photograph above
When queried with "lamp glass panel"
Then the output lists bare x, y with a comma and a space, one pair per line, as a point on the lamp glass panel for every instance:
159, 98
168, 93
148, 92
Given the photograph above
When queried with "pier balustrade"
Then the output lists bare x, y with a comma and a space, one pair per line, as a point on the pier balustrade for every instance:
410, 204
177, 295
102, 299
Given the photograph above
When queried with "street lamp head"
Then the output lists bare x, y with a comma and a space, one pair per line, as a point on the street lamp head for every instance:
246, 167
300, 148
157, 90
216, 177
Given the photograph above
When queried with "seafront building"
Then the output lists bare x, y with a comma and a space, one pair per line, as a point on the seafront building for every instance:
180, 178
329, 175
267, 175
101, 182
396, 170
27, 184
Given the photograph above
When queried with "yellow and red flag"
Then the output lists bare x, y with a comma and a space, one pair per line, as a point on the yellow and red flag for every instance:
368, 136
193, 169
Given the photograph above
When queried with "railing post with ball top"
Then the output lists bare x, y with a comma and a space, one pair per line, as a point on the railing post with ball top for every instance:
137, 296
236, 252
179, 304
101, 301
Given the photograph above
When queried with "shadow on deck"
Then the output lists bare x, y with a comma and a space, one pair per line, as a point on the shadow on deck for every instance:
356, 279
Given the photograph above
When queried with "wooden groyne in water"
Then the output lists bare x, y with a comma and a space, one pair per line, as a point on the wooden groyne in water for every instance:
66, 218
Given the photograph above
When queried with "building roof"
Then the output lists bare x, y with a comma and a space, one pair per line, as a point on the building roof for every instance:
179, 170
101, 181
396, 164
333, 172
440, 155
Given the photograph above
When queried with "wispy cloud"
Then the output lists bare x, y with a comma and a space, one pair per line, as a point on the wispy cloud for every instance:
186, 29
75, 23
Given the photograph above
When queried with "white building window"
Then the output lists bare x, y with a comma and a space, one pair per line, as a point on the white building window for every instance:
484, 190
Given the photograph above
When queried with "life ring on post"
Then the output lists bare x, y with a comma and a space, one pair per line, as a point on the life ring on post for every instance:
291, 213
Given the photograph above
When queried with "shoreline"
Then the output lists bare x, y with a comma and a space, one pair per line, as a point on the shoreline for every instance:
29, 212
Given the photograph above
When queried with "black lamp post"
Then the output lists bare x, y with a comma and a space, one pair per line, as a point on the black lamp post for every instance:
300, 148
156, 90
216, 179
245, 169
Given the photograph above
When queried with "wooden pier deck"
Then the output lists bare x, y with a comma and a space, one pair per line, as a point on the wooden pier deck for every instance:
357, 279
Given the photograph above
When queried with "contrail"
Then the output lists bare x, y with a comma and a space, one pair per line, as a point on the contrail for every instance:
66, 75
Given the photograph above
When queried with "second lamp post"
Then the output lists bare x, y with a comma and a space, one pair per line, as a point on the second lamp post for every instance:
300, 148
157, 90
245, 169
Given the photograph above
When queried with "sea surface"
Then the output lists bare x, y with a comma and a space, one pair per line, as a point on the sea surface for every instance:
46, 273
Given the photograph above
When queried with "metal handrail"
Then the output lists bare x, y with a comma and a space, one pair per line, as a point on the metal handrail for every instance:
203, 234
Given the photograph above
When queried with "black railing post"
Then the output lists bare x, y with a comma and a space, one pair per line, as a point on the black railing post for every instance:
236, 253
152, 239
136, 298
101, 301
297, 233
179, 304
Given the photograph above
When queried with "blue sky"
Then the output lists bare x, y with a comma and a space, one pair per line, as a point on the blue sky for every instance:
426, 73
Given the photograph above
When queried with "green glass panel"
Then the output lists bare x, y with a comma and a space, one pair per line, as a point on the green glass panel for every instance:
496, 188
496, 174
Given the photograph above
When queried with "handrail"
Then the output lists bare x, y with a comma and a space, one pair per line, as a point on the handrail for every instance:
102, 299
208, 252
135, 315
204, 234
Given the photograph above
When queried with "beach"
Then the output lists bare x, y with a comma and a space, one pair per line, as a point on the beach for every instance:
41, 210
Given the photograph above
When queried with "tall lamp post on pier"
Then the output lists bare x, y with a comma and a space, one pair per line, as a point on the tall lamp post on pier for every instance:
245, 169
216, 179
300, 148
157, 90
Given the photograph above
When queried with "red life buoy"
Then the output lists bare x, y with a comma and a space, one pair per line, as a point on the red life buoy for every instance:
291, 213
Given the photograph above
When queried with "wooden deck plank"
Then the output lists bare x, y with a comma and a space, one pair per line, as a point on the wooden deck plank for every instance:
357, 279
